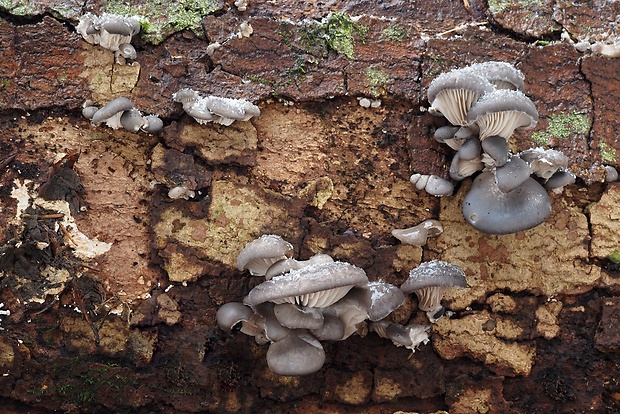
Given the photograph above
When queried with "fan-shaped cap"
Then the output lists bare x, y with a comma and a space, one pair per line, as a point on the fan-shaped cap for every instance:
501, 74
455, 92
501, 112
132, 120
352, 310
432, 274
297, 354
385, 298
286, 265
258, 255
490, 210
544, 163
317, 285
124, 26
470, 149
331, 330
559, 180
461, 169
418, 235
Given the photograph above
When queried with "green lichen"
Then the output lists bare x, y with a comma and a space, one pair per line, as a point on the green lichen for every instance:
159, 18
614, 256
498, 6
377, 80
336, 32
608, 154
395, 33
562, 126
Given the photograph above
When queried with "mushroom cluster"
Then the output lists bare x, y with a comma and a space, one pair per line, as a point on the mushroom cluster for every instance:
120, 113
111, 32
485, 104
302, 303
223, 111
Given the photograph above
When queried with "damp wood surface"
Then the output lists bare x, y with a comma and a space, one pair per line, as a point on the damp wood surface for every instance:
128, 324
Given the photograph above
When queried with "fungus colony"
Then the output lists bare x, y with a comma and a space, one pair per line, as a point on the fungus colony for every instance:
111, 32
485, 104
216, 109
302, 303
120, 113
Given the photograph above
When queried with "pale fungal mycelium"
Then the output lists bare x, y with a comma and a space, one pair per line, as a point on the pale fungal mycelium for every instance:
484, 104
111, 32
223, 111
304, 302
120, 113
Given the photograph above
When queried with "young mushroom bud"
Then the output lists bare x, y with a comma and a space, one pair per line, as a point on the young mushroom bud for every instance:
297, 354
429, 282
258, 255
432, 184
132, 120
611, 174
286, 265
497, 149
512, 174
153, 124
461, 169
559, 180
111, 113
230, 314
418, 235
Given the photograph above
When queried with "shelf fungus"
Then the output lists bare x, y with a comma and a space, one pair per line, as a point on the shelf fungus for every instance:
217, 109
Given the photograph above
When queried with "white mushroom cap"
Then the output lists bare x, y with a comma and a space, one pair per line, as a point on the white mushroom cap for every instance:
501, 74
297, 354
501, 112
258, 255
418, 235
286, 265
453, 94
432, 184
318, 285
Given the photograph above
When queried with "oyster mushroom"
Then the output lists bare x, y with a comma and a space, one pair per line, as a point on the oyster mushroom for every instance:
432, 184
286, 265
497, 149
385, 298
501, 112
298, 317
544, 163
452, 94
297, 354
409, 336
512, 174
429, 282
230, 314
318, 285
258, 255
501, 74
352, 310
490, 210
418, 235
112, 112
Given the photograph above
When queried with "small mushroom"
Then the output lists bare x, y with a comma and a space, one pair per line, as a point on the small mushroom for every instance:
461, 169
153, 124
230, 314
111, 113
470, 149
132, 120
429, 282
385, 298
264, 326
544, 163
452, 94
286, 265
352, 310
318, 285
446, 135
418, 235
501, 74
258, 255
89, 110
512, 174
490, 210
432, 184
409, 336
297, 354
298, 317
559, 180
611, 174
501, 112
331, 330
497, 149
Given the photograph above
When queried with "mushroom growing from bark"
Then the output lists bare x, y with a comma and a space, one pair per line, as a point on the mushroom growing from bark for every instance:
501, 74
297, 354
111, 32
230, 314
286, 265
258, 255
432, 184
429, 282
418, 235
216, 109
409, 336
385, 298
112, 112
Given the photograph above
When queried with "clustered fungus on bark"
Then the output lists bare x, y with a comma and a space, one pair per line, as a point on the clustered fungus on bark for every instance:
302, 303
120, 113
216, 109
485, 104
111, 32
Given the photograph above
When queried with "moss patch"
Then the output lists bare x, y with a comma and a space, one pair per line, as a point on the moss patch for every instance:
562, 126
159, 19
395, 33
336, 32
614, 256
608, 154
377, 80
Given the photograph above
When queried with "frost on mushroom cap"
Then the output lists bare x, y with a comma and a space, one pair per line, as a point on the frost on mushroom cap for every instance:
114, 107
544, 163
258, 255
490, 210
230, 314
216, 109
297, 354
501, 74
317, 285
418, 235
286, 265
455, 92
384, 299
430, 280
501, 112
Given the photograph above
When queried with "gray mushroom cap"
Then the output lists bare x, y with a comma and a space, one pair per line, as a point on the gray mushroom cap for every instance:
264, 326
112, 108
127, 51
132, 120
470, 149
286, 265
512, 174
297, 354
490, 210
384, 299
461, 169
496, 147
186, 96
501, 112
455, 92
331, 330
352, 310
544, 163
432, 184
560, 179
418, 235
298, 317
230, 314
89, 111
501, 74
119, 25
317, 285
153, 124
611, 174
258, 255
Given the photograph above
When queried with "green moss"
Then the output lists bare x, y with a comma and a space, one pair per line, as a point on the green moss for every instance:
160, 18
608, 154
614, 256
377, 80
18, 8
336, 32
395, 33
562, 126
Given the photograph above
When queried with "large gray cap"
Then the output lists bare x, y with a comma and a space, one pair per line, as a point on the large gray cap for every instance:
434, 273
501, 74
512, 174
317, 285
258, 255
490, 210
501, 112
455, 92
112, 108
297, 354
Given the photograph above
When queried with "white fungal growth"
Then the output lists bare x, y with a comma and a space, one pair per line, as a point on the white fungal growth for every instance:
181, 192
607, 50
432, 184
245, 29
217, 109
241, 5
112, 32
